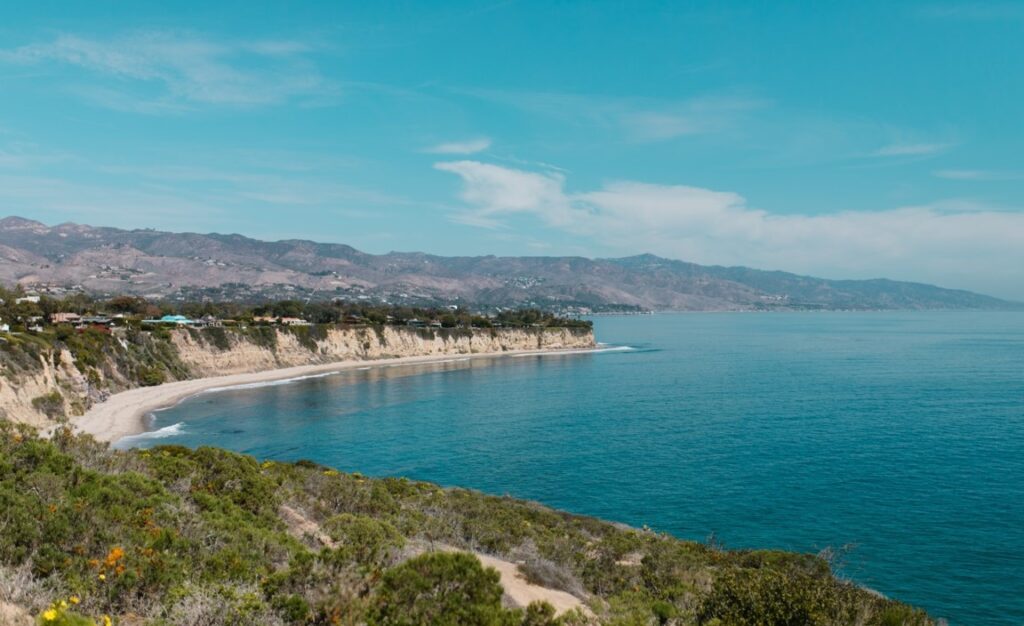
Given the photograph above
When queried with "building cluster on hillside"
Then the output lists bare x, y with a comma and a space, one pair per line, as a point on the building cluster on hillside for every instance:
38, 323
30, 311
206, 321
284, 320
109, 323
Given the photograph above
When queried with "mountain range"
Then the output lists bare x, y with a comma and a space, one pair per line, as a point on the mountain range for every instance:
156, 264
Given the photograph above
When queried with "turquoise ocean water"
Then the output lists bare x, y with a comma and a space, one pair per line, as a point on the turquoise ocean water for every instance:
899, 434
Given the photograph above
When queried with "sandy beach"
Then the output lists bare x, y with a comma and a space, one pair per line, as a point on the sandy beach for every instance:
123, 414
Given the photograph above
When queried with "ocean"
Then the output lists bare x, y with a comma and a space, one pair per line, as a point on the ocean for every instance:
896, 439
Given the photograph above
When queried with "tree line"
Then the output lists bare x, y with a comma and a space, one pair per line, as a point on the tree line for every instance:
318, 312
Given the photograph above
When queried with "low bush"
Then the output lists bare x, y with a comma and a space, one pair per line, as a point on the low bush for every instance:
363, 540
151, 376
51, 404
444, 589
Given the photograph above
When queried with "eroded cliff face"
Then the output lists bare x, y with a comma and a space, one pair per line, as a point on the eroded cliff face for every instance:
293, 347
55, 385
37, 396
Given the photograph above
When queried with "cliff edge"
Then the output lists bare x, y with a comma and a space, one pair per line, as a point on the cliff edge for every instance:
47, 378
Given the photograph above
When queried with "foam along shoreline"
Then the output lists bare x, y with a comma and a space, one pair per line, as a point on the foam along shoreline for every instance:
124, 414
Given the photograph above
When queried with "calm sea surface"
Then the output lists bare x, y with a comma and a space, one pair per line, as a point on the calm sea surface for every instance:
900, 434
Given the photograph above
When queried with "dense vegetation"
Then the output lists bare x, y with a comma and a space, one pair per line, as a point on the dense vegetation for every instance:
179, 536
316, 312
108, 363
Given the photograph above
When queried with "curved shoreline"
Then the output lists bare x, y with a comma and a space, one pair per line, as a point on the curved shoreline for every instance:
123, 414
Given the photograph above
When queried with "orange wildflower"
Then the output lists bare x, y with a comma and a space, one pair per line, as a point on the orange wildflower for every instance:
115, 555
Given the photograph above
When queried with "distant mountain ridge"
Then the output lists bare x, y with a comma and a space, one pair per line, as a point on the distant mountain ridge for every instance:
168, 265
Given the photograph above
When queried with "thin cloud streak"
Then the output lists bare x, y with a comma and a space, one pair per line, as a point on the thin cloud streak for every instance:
979, 175
912, 149
469, 146
640, 120
189, 69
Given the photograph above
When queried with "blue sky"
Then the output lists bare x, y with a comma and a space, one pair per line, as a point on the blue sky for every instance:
848, 140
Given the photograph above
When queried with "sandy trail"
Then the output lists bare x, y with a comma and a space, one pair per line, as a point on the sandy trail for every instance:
122, 414
523, 592
517, 589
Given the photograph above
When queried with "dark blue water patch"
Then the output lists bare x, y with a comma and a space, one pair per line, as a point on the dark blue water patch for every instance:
899, 433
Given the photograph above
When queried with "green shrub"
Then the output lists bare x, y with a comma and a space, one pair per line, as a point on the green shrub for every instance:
442, 589
151, 376
51, 404
774, 597
218, 336
893, 614
362, 539
540, 614
262, 336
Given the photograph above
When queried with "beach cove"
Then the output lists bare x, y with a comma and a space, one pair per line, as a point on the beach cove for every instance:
125, 414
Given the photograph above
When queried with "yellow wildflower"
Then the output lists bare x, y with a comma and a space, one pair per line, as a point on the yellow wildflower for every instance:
106, 620
75, 599
49, 615
103, 576
63, 604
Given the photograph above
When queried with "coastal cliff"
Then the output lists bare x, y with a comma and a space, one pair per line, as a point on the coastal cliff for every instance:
45, 380
216, 351
37, 395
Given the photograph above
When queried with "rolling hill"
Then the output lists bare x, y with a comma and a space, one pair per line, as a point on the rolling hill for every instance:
160, 264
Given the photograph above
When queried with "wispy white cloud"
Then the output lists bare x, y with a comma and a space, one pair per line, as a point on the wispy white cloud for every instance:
956, 243
183, 195
242, 187
912, 149
187, 69
494, 191
469, 146
21, 154
979, 175
691, 117
636, 119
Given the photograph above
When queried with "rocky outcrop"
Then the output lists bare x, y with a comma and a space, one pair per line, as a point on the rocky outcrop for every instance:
54, 384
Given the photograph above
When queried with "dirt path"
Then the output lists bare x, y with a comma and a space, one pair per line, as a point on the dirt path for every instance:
517, 589
522, 592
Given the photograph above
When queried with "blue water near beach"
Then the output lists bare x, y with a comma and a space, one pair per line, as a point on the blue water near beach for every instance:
900, 434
